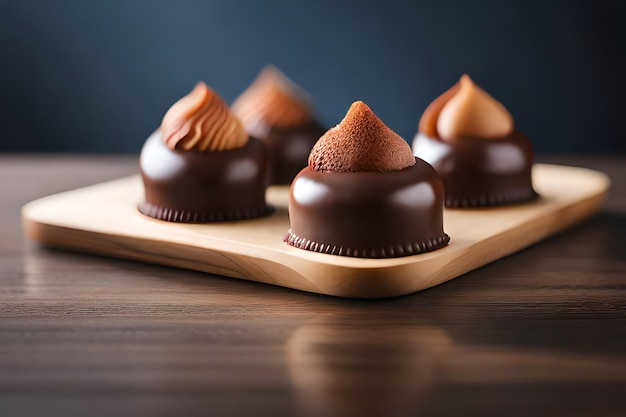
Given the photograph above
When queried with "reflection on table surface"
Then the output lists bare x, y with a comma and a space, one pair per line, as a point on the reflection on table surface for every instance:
338, 368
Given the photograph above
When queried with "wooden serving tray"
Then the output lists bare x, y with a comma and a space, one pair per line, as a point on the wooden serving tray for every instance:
103, 219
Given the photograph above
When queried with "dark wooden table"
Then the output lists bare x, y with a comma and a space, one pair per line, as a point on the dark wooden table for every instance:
540, 333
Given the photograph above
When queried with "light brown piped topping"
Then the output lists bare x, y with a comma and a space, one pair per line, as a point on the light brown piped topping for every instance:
201, 121
360, 143
272, 100
466, 110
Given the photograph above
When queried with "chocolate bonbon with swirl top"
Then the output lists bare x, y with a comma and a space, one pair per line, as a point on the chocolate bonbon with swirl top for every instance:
280, 114
201, 166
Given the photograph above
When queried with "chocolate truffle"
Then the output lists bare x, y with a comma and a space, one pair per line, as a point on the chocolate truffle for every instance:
365, 195
470, 139
279, 113
201, 165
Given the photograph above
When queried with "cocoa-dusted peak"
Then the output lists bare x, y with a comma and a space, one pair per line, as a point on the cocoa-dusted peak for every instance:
466, 110
273, 100
360, 143
201, 121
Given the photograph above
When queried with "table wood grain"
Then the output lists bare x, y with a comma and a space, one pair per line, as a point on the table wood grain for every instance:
542, 332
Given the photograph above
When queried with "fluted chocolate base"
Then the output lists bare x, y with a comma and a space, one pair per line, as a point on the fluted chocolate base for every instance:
200, 187
367, 214
481, 172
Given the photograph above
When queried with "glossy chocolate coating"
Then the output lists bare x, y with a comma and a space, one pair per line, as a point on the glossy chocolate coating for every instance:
289, 149
199, 187
367, 214
481, 172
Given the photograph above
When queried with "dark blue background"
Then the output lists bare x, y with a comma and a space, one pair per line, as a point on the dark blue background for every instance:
79, 75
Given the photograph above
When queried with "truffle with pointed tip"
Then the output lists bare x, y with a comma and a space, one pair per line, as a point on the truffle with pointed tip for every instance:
360, 143
280, 114
466, 110
470, 139
365, 195
201, 121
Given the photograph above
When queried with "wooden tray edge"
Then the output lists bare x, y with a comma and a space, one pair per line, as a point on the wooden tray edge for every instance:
337, 280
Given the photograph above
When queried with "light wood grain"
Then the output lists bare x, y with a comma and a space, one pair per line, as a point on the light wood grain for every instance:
103, 219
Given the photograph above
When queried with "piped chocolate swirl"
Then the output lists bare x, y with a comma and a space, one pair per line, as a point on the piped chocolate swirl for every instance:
201, 121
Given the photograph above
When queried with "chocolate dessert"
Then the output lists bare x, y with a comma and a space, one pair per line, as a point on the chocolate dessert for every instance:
201, 165
279, 113
470, 139
363, 194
